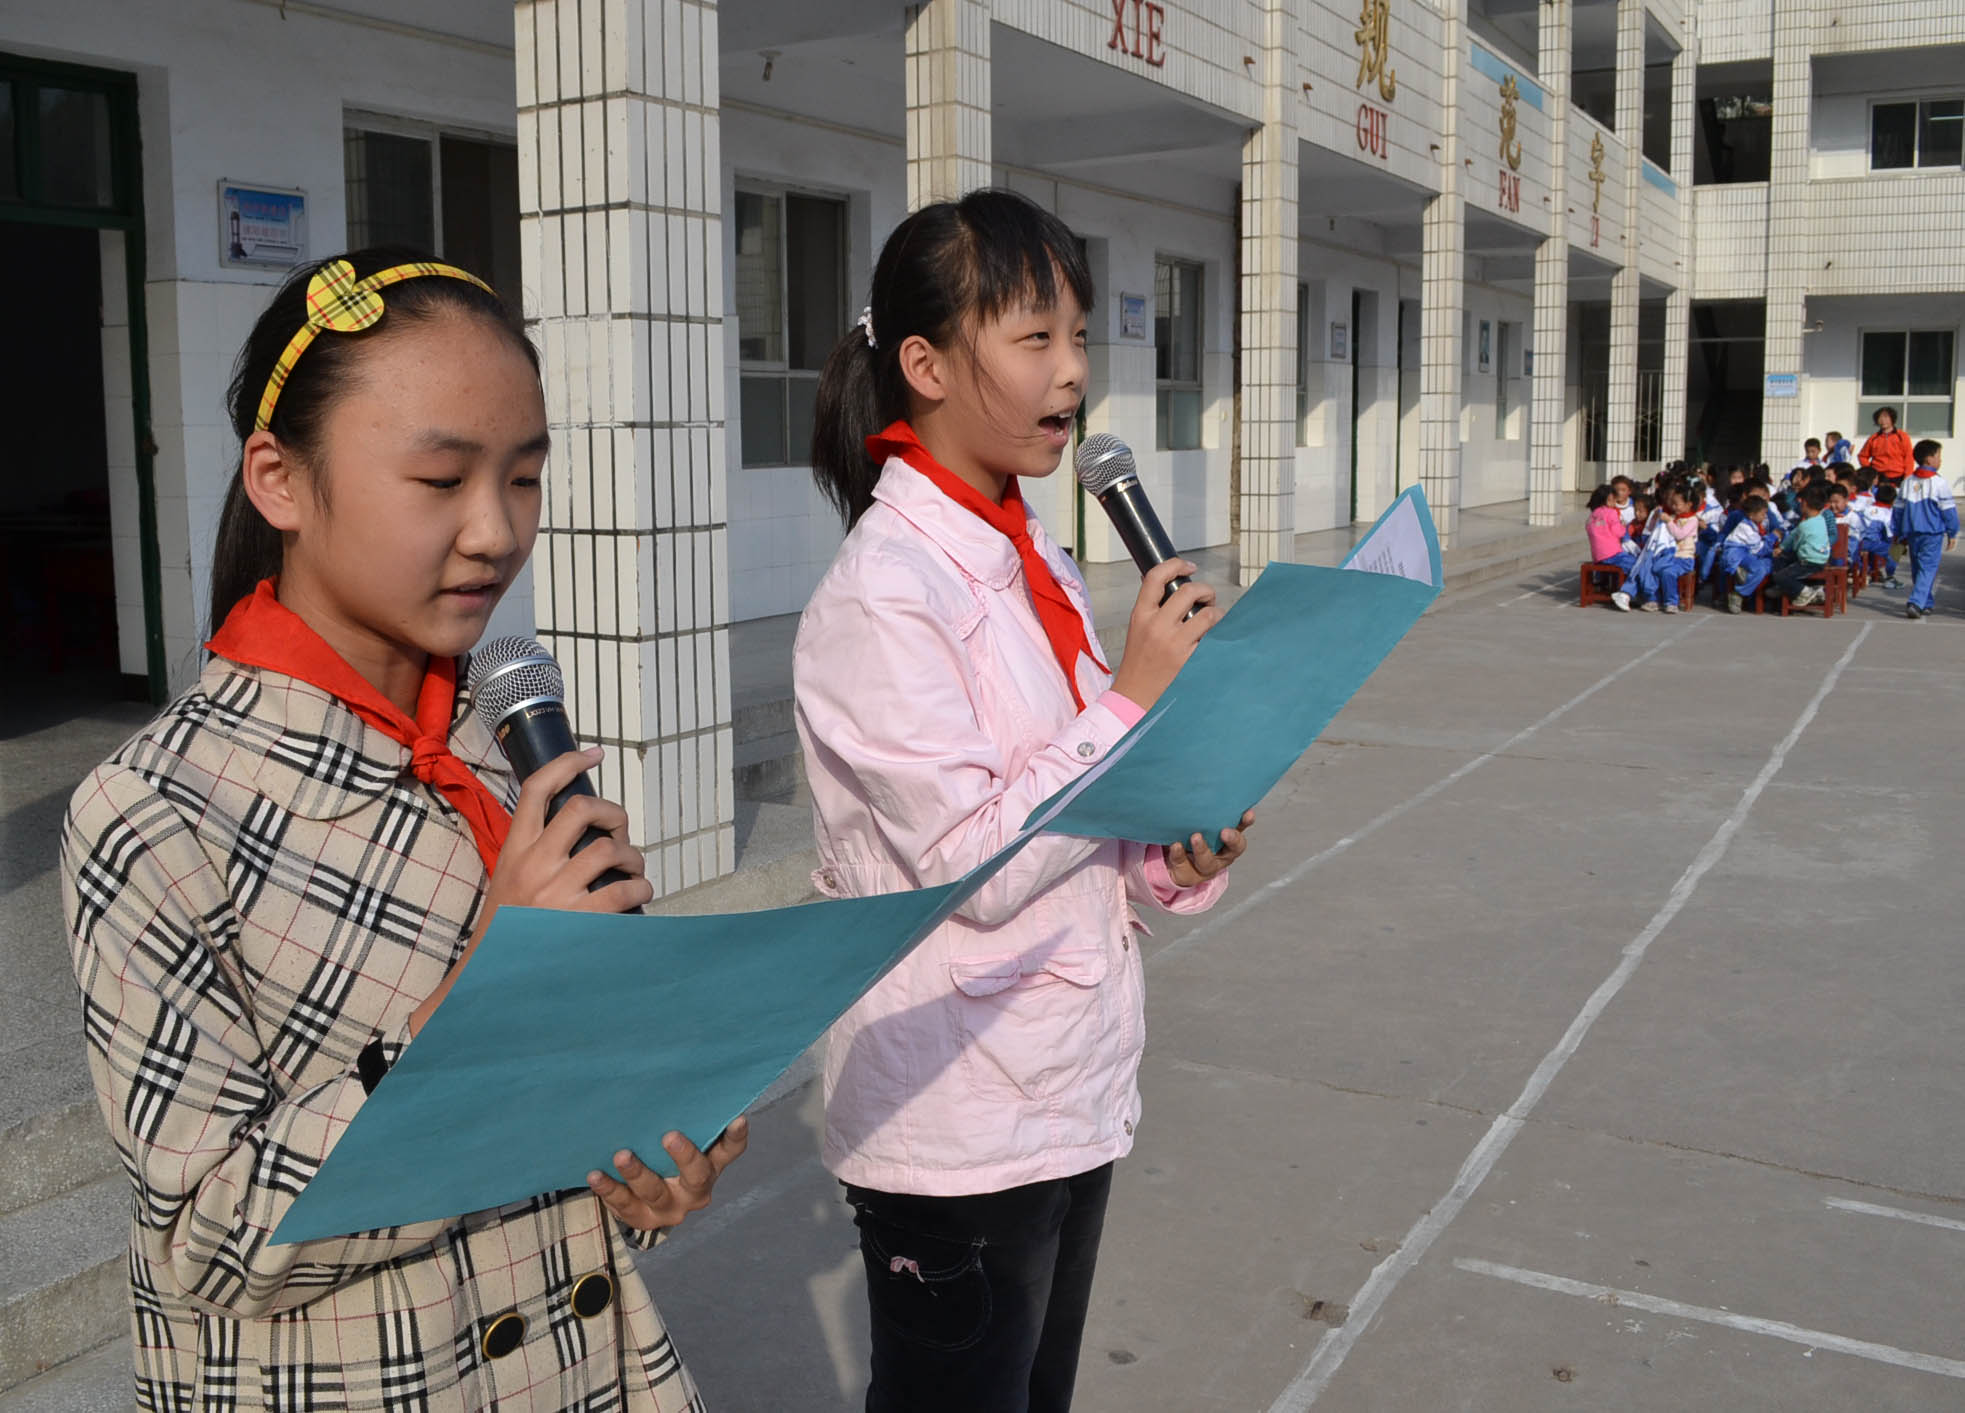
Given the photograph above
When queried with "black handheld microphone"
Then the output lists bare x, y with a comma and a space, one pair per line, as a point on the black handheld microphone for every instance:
1104, 466
519, 694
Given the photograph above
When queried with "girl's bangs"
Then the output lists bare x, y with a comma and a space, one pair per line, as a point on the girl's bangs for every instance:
1020, 260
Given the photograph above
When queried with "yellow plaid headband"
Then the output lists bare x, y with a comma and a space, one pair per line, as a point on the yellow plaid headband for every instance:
339, 303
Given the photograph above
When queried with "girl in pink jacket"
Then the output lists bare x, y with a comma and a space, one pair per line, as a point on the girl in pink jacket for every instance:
949, 680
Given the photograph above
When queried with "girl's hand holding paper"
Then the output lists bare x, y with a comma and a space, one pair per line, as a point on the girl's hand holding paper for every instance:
1194, 863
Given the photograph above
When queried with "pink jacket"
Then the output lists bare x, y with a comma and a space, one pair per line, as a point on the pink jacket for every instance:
1606, 532
1004, 1049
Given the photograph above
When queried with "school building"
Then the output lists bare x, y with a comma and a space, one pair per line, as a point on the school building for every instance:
1498, 248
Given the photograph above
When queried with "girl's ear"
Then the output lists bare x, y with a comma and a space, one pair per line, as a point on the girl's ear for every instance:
271, 482
925, 369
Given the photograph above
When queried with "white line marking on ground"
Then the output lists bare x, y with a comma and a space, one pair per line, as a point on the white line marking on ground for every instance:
1751, 1324
1331, 1350
1216, 921
1541, 589
1870, 1209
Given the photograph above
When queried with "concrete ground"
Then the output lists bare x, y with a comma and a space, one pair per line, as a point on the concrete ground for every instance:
1581, 1034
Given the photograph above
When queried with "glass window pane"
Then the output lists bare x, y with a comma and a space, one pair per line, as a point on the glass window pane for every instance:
481, 211
9, 168
1883, 365
1187, 349
760, 283
802, 396
75, 148
761, 401
815, 256
390, 201
1928, 419
1183, 418
1930, 364
1892, 134
1941, 133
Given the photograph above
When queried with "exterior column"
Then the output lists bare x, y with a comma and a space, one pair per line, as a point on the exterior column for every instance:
1442, 272
1678, 306
1547, 476
1268, 314
1790, 223
622, 243
1620, 421
947, 100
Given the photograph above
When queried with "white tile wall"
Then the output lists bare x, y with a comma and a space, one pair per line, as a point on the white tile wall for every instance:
630, 570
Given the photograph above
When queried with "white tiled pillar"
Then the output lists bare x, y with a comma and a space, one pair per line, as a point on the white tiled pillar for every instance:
948, 142
1678, 305
1620, 420
1790, 225
1442, 271
1269, 259
1548, 393
622, 236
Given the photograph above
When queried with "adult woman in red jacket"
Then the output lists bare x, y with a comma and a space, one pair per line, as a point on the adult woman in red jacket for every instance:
1887, 451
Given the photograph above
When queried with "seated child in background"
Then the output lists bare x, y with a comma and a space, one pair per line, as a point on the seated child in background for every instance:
1925, 518
1811, 456
1609, 544
1843, 518
1841, 448
1799, 480
1711, 512
1876, 531
1805, 552
1670, 543
1621, 488
1864, 495
1747, 557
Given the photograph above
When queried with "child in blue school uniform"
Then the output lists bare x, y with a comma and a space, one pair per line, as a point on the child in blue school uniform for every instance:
1711, 513
1746, 557
1926, 518
1877, 534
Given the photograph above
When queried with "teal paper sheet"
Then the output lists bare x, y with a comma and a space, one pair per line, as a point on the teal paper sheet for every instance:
573, 1035
1262, 686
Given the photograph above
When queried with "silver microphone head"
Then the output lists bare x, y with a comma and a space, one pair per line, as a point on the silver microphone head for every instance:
509, 673
1102, 462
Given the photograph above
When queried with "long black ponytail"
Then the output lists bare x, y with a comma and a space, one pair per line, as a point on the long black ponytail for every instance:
945, 271
246, 549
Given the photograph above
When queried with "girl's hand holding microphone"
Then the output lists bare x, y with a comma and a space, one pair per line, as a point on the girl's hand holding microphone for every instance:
1160, 636
539, 867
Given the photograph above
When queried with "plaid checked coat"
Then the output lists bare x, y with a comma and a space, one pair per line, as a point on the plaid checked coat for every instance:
256, 888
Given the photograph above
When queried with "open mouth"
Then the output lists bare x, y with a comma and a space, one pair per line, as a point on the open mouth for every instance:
1058, 424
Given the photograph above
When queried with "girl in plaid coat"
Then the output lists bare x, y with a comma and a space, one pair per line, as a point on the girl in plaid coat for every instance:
270, 888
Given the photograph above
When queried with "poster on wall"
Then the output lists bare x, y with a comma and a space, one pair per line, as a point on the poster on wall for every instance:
261, 227
1132, 317
1340, 342
1487, 346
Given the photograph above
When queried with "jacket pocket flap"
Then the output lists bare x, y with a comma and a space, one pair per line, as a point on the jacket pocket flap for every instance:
985, 976
1081, 966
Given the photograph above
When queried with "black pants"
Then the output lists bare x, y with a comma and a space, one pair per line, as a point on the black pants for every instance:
979, 1303
1787, 579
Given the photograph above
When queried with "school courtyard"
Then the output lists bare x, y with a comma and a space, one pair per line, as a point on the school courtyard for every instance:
1582, 1034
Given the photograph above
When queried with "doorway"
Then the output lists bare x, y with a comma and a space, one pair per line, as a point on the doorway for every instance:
57, 573
1365, 390
76, 495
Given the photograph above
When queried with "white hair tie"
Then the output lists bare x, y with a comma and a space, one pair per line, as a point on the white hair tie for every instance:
866, 325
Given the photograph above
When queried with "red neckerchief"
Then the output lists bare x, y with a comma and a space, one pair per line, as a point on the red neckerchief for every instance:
260, 631
1063, 625
1924, 472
